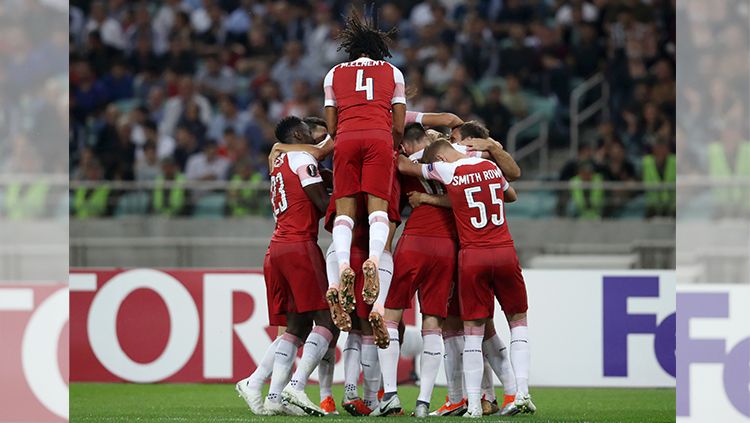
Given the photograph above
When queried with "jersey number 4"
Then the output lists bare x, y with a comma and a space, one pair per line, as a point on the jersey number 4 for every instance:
277, 188
480, 222
367, 86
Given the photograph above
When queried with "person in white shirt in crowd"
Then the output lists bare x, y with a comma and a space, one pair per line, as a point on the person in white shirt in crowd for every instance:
175, 106
207, 165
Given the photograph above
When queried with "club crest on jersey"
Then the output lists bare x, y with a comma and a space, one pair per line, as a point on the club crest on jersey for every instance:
312, 170
279, 161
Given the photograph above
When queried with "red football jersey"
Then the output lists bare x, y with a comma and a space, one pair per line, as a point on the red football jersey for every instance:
476, 188
427, 220
363, 92
295, 214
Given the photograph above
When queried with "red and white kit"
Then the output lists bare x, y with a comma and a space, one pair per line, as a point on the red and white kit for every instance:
487, 260
425, 257
294, 267
363, 92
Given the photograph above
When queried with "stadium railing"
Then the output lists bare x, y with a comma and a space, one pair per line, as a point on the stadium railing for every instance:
538, 199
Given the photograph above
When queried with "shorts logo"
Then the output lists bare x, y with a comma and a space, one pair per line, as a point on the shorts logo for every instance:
430, 167
312, 170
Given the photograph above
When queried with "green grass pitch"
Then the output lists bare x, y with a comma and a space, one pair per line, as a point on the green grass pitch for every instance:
219, 403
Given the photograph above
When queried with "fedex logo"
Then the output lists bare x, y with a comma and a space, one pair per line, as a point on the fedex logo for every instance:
734, 359
619, 324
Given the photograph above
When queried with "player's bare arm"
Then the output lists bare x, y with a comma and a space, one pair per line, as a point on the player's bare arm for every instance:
496, 153
441, 119
319, 151
399, 117
409, 168
510, 195
317, 194
417, 199
331, 116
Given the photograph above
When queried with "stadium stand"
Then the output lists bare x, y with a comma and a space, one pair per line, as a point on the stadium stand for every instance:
156, 80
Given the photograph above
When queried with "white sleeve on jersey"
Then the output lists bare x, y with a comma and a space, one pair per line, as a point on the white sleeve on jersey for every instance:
439, 171
330, 98
399, 92
465, 150
412, 117
305, 166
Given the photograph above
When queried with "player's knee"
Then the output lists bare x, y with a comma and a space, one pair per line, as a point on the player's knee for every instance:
515, 317
393, 314
430, 322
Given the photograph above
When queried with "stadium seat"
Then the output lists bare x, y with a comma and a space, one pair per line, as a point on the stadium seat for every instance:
210, 206
132, 204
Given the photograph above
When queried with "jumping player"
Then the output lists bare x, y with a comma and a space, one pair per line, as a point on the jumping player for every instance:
487, 261
365, 108
294, 269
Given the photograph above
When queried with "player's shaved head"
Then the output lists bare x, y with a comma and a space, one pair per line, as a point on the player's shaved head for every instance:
473, 129
292, 130
363, 38
434, 151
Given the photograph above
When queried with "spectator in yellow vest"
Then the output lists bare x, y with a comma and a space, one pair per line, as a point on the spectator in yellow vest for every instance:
169, 201
588, 202
660, 167
92, 201
242, 195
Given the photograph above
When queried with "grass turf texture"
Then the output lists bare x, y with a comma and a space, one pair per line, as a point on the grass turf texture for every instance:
219, 403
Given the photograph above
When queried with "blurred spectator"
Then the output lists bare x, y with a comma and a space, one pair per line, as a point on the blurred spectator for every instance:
516, 57
169, 201
660, 167
242, 197
441, 69
177, 105
147, 167
109, 27
165, 145
290, 68
513, 99
118, 83
497, 117
115, 154
228, 117
588, 202
216, 79
90, 202
187, 145
207, 165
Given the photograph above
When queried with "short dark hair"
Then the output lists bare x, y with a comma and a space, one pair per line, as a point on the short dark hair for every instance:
474, 129
432, 150
414, 132
286, 126
315, 121
363, 38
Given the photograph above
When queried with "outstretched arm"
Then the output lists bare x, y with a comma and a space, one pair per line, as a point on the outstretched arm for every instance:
416, 199
409, 168
450, 120
504, 160
319, 151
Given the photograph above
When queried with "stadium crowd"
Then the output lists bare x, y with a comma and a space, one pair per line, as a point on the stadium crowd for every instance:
191, 89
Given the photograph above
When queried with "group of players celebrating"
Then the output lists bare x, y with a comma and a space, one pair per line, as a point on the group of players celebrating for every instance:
455, 252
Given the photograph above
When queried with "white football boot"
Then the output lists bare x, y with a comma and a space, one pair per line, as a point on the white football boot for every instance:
252, 397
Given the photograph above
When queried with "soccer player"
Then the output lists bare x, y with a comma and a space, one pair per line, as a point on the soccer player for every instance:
365, 107
487, 262
360, 348
294, 269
